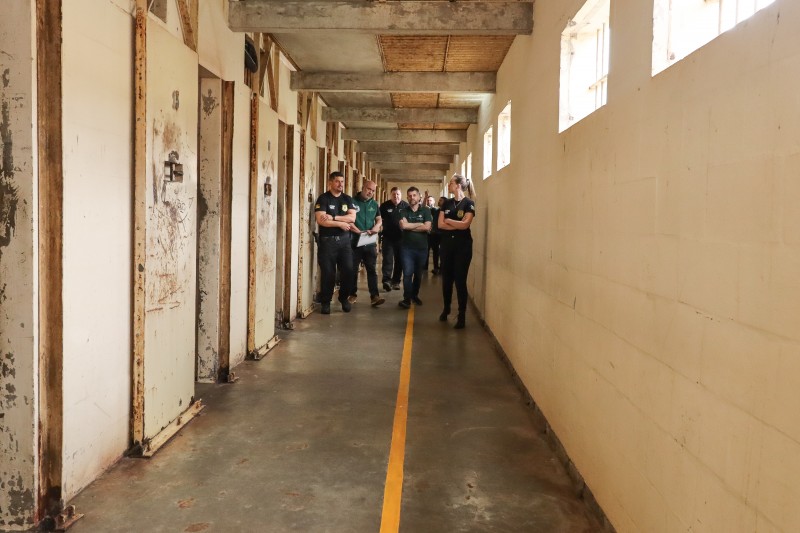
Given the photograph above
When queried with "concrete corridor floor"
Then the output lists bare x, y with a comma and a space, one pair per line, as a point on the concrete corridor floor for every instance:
301, 442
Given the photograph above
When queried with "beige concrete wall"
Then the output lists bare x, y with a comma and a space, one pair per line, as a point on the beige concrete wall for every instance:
642, 269
219, 49
98, 148
18, 269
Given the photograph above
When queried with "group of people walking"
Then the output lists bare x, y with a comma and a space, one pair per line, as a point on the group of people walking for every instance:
348, 236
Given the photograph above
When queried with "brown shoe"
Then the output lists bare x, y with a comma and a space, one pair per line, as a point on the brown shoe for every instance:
352, 298
376, 301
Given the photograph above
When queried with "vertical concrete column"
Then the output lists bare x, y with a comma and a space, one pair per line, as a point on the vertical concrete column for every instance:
18, 270
209, 235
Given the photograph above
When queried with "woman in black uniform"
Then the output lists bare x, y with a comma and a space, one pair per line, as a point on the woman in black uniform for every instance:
455, 217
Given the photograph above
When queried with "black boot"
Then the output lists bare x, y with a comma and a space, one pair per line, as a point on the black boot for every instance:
443, 316
460, 322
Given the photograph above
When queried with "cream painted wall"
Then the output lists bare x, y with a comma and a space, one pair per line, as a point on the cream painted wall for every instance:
171, 274
18, 270
650, 300
220, 50
97, 138
240, 225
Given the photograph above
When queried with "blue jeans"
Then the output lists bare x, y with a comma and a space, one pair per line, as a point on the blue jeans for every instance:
413, 260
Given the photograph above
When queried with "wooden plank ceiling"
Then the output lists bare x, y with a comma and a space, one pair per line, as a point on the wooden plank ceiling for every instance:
441, 53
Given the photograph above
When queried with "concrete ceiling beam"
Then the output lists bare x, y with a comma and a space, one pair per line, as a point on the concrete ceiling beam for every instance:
386, 18
374, 148
408, 158
411, 166
412, 173
395, 82
424, 136
388, 114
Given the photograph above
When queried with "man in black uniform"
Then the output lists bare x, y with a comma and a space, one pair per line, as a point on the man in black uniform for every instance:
335, 213
390, 214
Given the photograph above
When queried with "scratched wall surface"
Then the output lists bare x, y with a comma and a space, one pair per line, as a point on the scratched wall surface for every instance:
240, 208
307, 224
171, 230
266, 227
18, 404
97, 209
208, 249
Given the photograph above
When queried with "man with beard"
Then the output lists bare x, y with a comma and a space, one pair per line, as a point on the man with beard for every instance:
335, 214
415, 221
390, 214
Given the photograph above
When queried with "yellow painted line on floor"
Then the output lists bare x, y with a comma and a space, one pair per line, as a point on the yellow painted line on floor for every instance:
393, 490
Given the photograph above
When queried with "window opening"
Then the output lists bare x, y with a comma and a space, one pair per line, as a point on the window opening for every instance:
585, 46
682, 26
487, 153
504, 137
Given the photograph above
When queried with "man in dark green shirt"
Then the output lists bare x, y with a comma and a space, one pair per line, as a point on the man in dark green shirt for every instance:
368, 223
415, 222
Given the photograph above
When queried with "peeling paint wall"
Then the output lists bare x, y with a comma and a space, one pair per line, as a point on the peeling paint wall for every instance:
240, 223
308, 222
650, 297
266, 225
170, 303
208, 213
18, 263
98, 151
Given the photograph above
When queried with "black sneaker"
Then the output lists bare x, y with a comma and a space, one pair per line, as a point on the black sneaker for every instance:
326, 309
396, 286
405, 304
416, 300
346, 307
386, 286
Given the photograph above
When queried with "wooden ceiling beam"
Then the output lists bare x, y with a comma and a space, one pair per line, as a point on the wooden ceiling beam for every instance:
402, 148
395, 82
389, 114
422, 136
387, 18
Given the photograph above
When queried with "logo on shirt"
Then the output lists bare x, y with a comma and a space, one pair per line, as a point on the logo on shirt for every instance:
389, 210
344, 208
356, 208
332, 206
460, 213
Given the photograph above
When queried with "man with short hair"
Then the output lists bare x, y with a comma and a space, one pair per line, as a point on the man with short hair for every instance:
335, 214
415, 222
368, 222
390, 211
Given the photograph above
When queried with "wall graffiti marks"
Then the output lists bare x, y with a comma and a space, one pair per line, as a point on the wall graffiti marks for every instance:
266, 222
8, 191
171, 224
209, 103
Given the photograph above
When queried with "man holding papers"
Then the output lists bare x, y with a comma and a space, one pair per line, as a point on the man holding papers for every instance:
365, 241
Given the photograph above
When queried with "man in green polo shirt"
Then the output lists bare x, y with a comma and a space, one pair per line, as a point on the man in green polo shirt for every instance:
415, 222
367, 224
